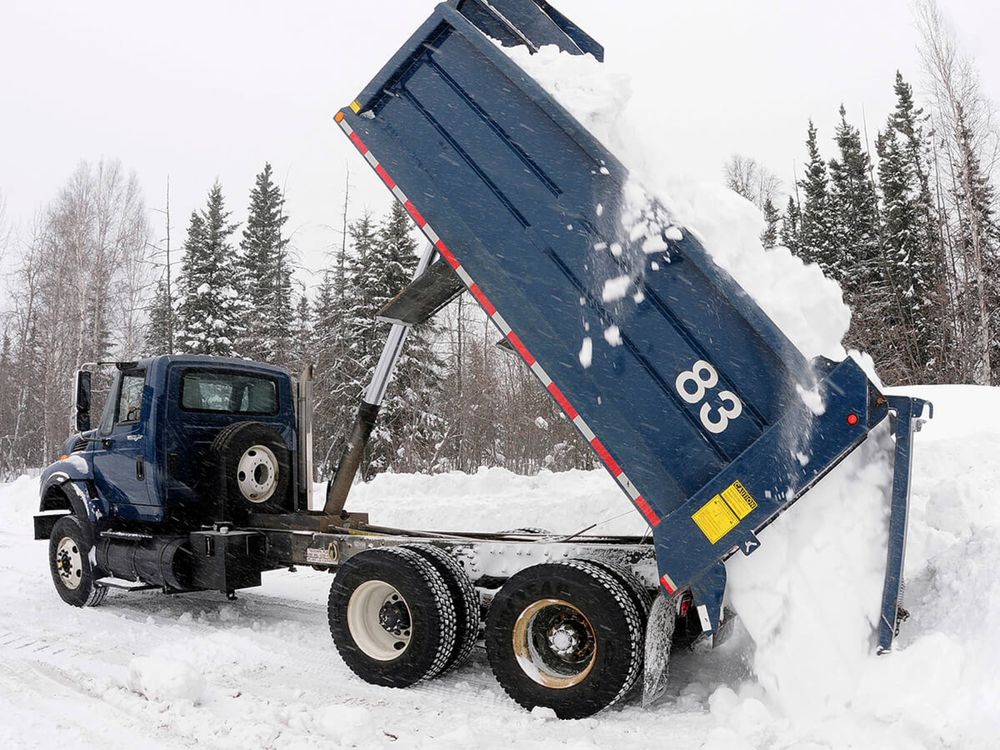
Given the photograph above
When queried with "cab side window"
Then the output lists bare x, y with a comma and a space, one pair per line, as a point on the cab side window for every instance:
130, 397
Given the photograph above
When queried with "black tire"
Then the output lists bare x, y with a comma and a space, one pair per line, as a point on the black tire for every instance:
643, 600
245, 439
428, 606
463, 595
641, 596
73, 575
595, 606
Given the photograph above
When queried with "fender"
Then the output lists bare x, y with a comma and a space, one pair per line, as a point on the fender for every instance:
65, 485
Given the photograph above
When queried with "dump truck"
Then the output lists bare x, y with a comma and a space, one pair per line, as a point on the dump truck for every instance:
199, 475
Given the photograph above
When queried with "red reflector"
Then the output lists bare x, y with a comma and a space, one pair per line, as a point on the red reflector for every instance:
852, 419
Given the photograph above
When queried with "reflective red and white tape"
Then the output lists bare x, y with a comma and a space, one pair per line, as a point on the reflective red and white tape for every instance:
498, 320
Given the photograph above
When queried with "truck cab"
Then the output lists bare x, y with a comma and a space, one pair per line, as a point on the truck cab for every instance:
153, 458
183, 444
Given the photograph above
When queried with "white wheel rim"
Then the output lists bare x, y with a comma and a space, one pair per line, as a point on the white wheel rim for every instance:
257, 474
69, 563
554, 643
379, 620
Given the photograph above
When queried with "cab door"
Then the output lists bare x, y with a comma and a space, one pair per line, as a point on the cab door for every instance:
120, 454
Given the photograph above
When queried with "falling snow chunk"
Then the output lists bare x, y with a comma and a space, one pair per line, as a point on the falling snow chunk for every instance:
654, 244
813, 399
655, 266
613, 335
639, 231
569, 227
639, 298
541, 424
616, 288
604, 170
616, 250
587, 352
600, 209
674, 234
601, 246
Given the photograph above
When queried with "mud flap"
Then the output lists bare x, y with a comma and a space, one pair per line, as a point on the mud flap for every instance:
708, 592
659, 638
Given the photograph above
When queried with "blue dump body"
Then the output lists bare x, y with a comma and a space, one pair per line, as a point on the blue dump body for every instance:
697, 413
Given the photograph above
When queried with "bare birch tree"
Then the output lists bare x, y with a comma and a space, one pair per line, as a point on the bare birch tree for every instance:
967, 139
77, 295
755, 182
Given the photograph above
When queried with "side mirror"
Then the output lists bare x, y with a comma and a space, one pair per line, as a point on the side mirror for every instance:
81, 401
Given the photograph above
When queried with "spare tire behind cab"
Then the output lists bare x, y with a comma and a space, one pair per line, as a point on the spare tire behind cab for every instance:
253, 468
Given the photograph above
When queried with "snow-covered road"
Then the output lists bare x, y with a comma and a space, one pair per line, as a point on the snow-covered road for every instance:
271, 677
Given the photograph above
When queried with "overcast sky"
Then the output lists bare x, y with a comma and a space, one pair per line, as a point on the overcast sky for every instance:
208, 89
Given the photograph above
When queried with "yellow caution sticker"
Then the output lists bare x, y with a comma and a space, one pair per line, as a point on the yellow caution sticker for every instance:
723, 513
715, 519
739, 499
355, 106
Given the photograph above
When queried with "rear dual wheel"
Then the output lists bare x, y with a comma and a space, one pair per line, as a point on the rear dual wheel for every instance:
399, 615
566, 636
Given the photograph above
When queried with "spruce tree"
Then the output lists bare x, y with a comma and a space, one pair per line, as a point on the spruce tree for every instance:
344, 338
209, 316
267, 275
407, 431
302, 335
912, 250
856, 232
854, 212
815, 235
337, 387
772, 220
790, 227
159, 334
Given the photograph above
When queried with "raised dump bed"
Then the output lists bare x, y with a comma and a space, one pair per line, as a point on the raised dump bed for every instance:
699, 413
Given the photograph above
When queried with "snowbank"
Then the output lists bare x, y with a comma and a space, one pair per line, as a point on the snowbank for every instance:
161, 679
272, 677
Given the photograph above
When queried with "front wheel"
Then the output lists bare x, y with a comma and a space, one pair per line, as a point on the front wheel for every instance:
73, 574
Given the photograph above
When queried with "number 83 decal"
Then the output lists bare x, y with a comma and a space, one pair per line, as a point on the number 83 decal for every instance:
693, 386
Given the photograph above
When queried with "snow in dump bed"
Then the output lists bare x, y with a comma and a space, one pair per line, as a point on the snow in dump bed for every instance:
810, 598
808, 307
266, 673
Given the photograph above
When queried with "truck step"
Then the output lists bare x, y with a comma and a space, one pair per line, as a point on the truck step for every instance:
121, 583
127, 535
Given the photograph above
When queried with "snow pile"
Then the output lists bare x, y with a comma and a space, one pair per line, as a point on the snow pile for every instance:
349, 726
810, 598
811, 595
161, 679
